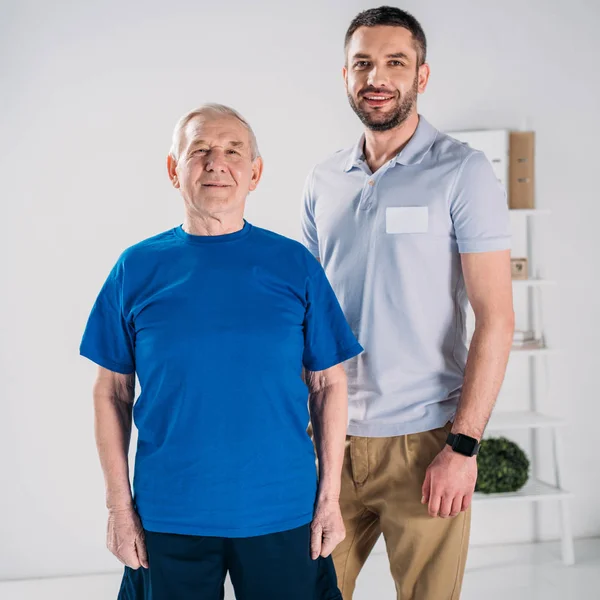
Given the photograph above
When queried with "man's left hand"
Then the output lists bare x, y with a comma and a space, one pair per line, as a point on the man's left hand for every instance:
327, 529
449, 483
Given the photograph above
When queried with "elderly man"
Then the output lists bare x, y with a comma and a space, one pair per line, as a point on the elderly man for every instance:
218, 318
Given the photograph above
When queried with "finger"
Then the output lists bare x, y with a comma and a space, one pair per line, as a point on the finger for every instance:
446, 506
140, 545
425, 490
119, 557
316, 537
466, 503
434, 504
456, 505
128, 556
330, 541
327, 547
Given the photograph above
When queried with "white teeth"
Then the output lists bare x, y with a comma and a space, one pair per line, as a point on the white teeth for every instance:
378, 97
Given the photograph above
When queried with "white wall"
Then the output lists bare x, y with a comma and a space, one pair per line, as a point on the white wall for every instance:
90, 92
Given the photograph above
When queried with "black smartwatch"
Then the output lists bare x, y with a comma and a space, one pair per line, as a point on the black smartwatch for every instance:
463, 444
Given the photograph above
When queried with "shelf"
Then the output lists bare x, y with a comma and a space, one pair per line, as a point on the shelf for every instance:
521, 420
531, 351
533, 491
529, 212
532, 282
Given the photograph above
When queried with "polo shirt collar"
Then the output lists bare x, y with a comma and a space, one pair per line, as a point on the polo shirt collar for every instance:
357, 155
413, 153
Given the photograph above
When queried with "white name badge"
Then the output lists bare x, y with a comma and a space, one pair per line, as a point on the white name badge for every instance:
407, 219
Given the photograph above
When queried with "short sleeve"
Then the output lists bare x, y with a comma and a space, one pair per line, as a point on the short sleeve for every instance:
328, 339
309, 228
108, 339
478, 208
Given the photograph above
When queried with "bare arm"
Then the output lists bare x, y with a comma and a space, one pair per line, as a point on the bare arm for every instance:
331, 418
328, 404
113, 404
450, 480
489, 288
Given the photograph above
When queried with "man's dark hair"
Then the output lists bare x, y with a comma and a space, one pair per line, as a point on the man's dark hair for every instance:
390, 15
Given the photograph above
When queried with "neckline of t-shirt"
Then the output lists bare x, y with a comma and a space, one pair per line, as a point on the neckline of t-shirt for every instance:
212, 239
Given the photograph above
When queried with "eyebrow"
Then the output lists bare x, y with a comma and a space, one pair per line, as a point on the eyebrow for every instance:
234, 143
394, 55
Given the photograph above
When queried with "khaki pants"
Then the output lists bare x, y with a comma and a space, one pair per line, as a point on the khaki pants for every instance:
381, 493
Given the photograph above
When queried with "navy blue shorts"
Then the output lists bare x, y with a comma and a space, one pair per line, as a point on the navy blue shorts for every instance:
267, 567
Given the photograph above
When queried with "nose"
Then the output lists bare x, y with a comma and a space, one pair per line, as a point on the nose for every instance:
215, 161
376, 77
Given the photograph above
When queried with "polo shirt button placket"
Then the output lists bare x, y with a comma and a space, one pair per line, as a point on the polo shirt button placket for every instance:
367, 195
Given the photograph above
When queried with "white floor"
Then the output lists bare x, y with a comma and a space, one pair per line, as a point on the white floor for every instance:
523, 572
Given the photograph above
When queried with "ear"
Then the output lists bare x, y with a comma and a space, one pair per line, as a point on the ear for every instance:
345, 76
257, 169
172, 170
423, 74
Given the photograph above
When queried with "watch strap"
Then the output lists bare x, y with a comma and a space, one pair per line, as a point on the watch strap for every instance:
454, 439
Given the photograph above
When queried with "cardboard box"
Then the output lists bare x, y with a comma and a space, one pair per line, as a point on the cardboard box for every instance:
521, 170
518, 268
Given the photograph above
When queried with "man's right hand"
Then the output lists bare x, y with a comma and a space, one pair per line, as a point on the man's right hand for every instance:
125, 537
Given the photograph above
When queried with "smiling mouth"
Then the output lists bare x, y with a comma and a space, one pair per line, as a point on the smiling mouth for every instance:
217, 185
377, 99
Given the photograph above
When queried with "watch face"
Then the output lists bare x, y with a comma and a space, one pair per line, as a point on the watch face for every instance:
465, 444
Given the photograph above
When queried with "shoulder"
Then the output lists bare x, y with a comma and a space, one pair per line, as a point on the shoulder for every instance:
279, 242
339, 158
334, 163
466, 162
286, 249
455, 150
147, 250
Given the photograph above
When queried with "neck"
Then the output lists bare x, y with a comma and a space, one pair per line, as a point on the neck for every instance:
381, 146
219, 224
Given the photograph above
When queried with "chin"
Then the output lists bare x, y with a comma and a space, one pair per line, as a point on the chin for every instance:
217, 202
213, 203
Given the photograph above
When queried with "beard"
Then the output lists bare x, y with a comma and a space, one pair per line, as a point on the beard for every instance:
379, 121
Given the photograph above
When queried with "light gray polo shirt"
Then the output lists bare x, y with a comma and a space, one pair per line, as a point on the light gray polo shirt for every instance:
390, 243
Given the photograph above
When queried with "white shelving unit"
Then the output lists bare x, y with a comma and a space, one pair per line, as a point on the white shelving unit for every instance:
534, 352
533, 491
533, 419
532, 282
525, 419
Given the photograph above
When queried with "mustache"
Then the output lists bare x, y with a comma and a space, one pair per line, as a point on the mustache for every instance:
372, 90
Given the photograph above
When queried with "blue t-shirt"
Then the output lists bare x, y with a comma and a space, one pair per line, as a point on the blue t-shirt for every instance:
217, 329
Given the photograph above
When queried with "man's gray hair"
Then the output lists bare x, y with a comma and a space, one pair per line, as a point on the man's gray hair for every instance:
210, 111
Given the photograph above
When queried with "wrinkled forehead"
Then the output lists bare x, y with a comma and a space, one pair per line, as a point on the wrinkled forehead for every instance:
223, 131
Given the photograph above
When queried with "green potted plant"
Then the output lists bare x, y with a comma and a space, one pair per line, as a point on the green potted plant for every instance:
502, 466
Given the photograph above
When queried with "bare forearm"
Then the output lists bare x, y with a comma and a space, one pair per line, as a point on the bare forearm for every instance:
329, 416
113, 417
486, 366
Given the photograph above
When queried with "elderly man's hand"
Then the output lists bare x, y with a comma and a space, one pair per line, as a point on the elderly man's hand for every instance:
327, 529
125, 537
